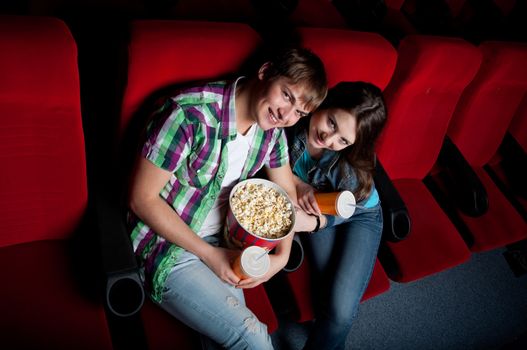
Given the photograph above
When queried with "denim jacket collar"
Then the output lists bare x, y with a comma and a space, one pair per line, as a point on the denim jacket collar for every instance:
328, 160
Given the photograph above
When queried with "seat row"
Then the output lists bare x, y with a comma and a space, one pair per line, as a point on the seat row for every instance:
456, 124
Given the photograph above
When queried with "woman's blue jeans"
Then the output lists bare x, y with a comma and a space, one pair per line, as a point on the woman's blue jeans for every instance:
197, 297
342, 258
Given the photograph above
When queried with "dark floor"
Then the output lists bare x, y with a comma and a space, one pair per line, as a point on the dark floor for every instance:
480, 304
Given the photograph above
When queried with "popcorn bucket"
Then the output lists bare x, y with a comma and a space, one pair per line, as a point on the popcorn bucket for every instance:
238, 236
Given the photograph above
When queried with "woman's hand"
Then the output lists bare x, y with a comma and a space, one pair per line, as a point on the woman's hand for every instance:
306, 198
219, 260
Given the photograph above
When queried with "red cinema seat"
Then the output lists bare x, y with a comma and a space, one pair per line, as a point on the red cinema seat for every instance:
351, 55
347, 56
164, 53
430, 76
518, 130
477, 128
518, 127
507, 166
43, 192
317, 13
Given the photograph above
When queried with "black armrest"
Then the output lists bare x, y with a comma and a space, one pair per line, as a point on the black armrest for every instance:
514, 160
124, 293
397, 222
462, 183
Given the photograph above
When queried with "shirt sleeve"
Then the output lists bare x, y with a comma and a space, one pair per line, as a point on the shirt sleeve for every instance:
169, 138
279, 153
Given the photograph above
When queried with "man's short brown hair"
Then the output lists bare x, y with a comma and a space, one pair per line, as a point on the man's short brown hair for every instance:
300, 66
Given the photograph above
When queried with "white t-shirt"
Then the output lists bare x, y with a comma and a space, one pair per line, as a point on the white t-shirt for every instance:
237, 151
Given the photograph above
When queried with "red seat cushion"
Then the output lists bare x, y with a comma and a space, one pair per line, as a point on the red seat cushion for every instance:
41, 304
162, 331
433, 244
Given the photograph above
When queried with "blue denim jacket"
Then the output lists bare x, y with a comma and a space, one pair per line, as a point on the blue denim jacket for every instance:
331, 173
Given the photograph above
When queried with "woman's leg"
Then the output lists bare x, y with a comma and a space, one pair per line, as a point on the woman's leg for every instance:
197, 297
345, 274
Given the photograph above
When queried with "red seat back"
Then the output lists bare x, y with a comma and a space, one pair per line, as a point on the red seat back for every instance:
352, 55
162, 53
430, 76
487, 106
43, 186
307, 13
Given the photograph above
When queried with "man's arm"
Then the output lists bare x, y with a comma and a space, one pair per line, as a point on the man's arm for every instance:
145, 202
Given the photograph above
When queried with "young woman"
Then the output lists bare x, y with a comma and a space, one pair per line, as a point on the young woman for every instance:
333, 150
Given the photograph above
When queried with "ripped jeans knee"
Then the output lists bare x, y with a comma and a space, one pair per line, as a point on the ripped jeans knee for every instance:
197, 297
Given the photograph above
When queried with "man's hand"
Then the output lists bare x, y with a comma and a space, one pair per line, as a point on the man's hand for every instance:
277, 264
219, 261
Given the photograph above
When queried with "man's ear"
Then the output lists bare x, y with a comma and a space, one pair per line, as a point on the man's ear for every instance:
262, 70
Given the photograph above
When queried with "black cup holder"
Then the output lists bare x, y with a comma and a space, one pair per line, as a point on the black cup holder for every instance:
296, 257
124, 295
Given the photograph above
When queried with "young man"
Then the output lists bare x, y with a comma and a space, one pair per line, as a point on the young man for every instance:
203, 141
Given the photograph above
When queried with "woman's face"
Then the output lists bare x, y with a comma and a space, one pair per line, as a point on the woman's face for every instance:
333, 129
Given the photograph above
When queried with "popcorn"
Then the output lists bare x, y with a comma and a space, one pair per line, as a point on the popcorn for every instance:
262, 211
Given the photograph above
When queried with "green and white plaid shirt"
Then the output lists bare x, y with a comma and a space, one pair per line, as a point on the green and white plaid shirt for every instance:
189, 137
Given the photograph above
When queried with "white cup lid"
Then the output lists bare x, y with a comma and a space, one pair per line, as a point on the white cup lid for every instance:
255, 261
345, 204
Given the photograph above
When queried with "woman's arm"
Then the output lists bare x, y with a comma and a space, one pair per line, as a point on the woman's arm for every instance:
284, 177
306, 200
145, 202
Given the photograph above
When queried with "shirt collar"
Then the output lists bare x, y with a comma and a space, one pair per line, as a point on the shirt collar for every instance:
228, 111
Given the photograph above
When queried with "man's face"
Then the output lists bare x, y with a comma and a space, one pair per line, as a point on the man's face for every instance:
279, 104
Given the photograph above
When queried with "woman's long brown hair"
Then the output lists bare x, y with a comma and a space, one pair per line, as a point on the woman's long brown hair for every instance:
365, 102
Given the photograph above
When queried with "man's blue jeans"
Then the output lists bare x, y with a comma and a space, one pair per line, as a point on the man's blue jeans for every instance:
342, 258
197, 297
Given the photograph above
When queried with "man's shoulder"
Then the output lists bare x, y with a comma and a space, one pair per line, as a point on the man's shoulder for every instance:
200, 94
